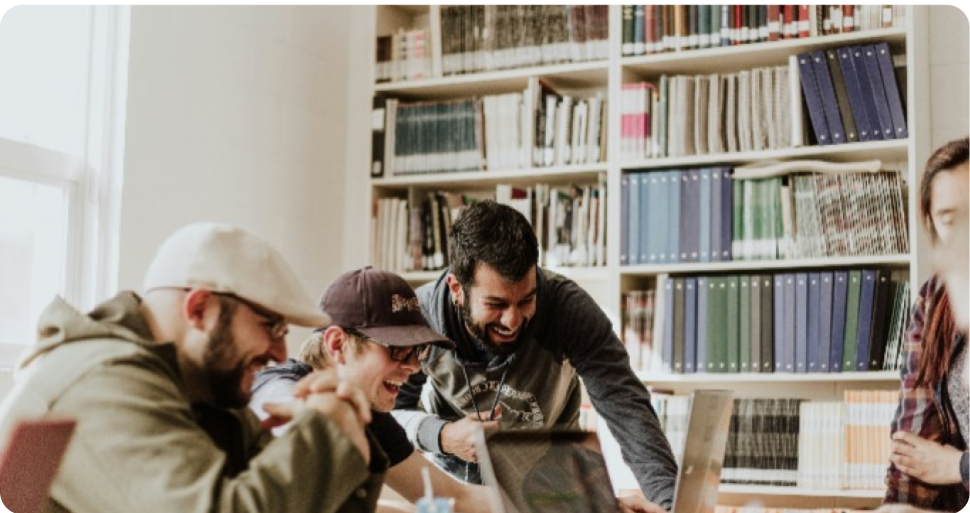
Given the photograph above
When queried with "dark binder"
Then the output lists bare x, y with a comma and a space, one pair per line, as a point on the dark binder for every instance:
638, 207
672, 246
690, 196
882, 316
826, 90
801, 322
825, 313
754, 322
860, 114
778, 336
704, 217
866, 298
744, 324
733, 328
700, 357
624, 219
788, 345
896, 110
813, 99
690, 324
716, 324
842, 97
727, 209
667, 349
812, 328
878, 91
679, 331
767, 323
840, 287
715, 214
852, 321
876, 126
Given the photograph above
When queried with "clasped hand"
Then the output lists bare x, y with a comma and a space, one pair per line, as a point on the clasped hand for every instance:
344, 404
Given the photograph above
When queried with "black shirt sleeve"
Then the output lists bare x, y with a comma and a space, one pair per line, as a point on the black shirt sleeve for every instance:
394, 441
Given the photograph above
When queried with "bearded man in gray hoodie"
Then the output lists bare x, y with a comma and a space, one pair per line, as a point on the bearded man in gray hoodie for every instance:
158, 386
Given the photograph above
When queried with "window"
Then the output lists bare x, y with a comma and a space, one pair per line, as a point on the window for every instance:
62, 99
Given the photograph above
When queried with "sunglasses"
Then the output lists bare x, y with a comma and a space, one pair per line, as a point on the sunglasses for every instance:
397, 353
278, 327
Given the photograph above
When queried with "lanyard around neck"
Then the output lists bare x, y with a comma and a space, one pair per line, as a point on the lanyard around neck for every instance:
498, 392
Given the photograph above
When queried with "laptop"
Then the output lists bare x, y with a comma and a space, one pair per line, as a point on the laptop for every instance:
30, 461
538, 471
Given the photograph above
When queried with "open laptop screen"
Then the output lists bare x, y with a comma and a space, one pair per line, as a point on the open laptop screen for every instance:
532, 471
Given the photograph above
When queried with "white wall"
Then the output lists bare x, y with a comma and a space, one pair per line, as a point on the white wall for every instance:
238, 114
949, 73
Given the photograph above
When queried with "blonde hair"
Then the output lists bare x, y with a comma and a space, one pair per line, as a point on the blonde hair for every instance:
313, 351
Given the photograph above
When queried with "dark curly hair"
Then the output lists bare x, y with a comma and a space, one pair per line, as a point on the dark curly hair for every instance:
494, 234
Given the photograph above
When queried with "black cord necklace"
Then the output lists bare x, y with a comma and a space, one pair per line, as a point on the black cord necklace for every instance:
498, 391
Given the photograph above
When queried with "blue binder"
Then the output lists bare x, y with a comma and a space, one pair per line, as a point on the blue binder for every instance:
878, 92
866, 297
840, 291
826, 90
896, 110
857, 54
813, 99
856, 103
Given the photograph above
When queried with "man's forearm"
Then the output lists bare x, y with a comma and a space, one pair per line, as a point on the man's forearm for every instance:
423, 429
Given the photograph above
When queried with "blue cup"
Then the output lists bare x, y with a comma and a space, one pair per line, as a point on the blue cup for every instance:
436, 505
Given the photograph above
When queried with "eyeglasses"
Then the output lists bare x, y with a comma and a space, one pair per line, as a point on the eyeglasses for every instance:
397, 353
277, 324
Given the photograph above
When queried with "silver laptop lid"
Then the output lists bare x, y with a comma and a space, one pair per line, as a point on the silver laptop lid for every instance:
708, 426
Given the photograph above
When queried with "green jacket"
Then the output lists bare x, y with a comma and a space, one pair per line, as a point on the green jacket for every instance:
140, 446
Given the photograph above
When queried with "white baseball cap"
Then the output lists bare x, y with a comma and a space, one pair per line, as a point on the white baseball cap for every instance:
226, 259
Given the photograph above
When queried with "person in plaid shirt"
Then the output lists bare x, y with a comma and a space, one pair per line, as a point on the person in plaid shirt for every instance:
929, 463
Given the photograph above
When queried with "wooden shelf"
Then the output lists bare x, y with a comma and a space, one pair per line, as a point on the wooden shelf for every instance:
576, 273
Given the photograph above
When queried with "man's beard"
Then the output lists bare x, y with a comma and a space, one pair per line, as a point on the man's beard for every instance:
480, 333
225, 382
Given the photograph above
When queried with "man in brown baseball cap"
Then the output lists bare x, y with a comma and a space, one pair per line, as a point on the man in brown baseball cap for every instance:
376, 340
158, 385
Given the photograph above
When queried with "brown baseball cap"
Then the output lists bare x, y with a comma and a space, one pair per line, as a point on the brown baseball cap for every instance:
381, 305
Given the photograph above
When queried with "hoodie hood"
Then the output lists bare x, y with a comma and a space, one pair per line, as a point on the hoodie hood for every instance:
120, 317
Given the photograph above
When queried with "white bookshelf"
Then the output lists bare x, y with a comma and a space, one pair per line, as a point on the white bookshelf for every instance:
607, 284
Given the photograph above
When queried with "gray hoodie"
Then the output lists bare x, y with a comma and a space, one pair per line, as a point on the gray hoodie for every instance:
568, 338
140, 446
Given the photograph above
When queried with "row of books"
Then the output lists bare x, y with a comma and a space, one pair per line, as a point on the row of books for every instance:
404, 55
536, 128
706, 215
794, 442
477, 38
805, 322
683, 115
569, 221
852, 94
649, 29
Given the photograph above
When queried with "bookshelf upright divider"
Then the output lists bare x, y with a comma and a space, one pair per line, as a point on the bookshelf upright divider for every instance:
603, 83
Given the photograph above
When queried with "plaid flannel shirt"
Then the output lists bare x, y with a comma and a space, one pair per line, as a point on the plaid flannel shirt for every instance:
926, 412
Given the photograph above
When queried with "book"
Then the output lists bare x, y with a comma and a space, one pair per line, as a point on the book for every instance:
625, 219
678, 343
891, 88
852, 320
812, 324
767, 323
744, 324
801, 322
840, 288
826, 90
864, 331
813, 99
754, 323
690, 324
867, 96
732, 333
869, 57
700, 354
378, 124
841, 95
825, 318
882, 310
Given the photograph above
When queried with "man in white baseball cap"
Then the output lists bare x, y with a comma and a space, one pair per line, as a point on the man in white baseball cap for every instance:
159, 384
